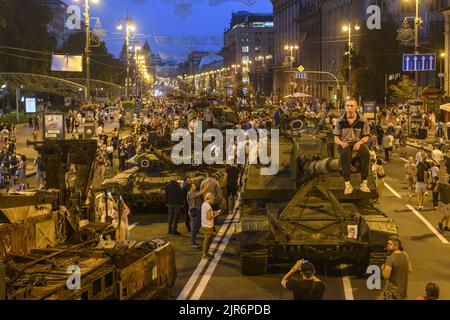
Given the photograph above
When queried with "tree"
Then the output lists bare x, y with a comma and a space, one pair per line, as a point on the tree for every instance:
103, 64
23, 25
402, 91
379, 54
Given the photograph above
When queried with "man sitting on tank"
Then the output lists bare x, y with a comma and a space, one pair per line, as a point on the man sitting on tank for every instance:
351, 134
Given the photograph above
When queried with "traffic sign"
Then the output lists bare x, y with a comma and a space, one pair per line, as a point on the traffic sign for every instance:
300, 75
301, 69
419, 62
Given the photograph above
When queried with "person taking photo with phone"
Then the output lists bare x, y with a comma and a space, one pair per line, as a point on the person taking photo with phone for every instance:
307, 286
208, 216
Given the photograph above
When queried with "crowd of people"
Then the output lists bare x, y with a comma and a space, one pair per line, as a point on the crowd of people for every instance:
201, 205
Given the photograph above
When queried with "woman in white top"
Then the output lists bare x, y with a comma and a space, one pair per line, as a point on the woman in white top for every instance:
208, 216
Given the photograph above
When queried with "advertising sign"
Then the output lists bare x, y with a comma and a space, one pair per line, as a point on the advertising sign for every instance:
30, 105
369, 110
53, 126
67, 63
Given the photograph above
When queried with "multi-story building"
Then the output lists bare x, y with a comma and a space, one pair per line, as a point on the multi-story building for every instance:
193, 61
316, 27
249, 42
58, 24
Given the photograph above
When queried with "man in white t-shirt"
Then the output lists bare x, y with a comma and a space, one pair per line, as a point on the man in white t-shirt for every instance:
208, 216
437, 155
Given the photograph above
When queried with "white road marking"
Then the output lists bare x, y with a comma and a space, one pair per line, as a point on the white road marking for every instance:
212, 266
428, 224
194, 277
392, 190
400, 158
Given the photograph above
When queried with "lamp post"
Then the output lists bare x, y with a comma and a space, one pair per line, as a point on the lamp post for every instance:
442, 55
129, 27
348, 28
137, 67
87, 49
290, 49
262, 69
235, 67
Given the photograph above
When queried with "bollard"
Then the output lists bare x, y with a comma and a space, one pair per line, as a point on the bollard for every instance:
2, 282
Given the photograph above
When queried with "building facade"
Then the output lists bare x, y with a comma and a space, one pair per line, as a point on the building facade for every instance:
249, 43
58, 24
316, 27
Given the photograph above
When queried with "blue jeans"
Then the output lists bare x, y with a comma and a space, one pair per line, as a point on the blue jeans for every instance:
195, 225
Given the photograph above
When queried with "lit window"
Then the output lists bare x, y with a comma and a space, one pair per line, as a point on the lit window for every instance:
245, 80
245, 49
245, 58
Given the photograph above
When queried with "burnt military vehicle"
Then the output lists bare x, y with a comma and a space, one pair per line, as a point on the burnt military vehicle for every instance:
143, 185
302, 211
43, 234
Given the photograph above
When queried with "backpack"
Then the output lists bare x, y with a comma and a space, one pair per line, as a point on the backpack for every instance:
380, 172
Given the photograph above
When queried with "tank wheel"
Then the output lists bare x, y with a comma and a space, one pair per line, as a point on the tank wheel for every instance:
254, 263
372, 258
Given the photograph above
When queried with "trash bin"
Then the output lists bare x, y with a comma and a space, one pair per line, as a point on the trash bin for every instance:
423, 133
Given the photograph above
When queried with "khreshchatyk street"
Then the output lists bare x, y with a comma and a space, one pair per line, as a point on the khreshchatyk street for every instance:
239, 151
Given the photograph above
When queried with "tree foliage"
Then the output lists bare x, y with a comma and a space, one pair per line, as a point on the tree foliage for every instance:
402, 91
378, 54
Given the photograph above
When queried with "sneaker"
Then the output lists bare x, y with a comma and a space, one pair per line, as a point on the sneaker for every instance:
208, 256
446, 229
410, 195
441, 227
195, 246
176, 233
364, 187
348, 189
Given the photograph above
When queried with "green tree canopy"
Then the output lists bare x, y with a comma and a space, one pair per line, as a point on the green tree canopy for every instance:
23, 25
402, 91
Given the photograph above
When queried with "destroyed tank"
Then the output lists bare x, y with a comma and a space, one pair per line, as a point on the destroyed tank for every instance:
143, 186
302, 211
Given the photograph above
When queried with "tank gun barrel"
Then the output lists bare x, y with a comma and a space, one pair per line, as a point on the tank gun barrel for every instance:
318, 167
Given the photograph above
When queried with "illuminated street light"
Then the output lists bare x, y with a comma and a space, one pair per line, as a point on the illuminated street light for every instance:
88, 45
348, 28
291, 49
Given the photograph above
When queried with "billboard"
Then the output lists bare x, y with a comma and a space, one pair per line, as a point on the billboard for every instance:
369, 110
66, 63
30, 105
53, 126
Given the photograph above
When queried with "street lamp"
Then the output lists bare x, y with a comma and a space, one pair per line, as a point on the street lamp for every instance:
88, 46
129, 27
348, 28
291, 49
442, 55
262, 69
417, 22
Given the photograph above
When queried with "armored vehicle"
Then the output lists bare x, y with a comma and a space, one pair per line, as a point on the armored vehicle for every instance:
143, 185
302, 211
224, 118
43, 234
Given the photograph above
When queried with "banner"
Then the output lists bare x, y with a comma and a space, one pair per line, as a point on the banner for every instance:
54, 126
30, 105
67, 63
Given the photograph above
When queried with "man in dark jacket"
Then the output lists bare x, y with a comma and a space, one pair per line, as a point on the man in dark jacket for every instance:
174, 201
